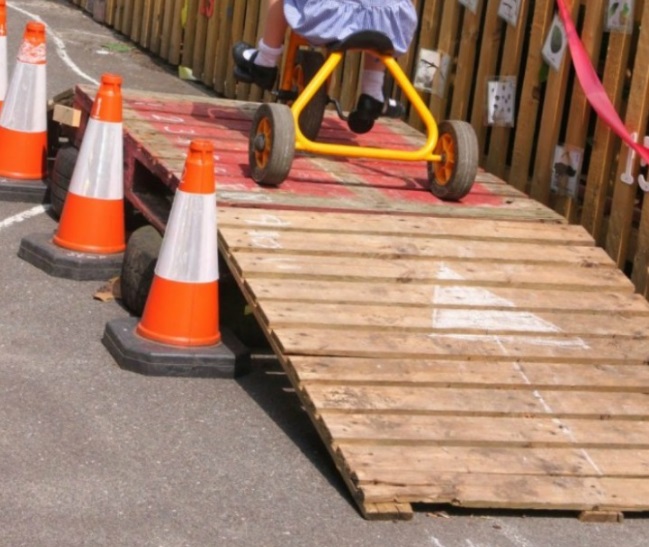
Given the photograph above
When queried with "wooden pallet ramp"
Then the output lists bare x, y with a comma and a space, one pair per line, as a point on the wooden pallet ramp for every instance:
473, 362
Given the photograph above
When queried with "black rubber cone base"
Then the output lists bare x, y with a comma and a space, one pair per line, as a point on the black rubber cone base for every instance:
28, 191
228, 359
38, 250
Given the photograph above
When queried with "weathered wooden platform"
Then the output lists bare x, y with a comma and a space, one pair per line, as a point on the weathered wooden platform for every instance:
482, 354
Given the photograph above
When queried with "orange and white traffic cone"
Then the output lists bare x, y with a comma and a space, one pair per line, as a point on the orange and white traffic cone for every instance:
90, 239
182, 308
92, 220
4, 78
23, 121
179, 332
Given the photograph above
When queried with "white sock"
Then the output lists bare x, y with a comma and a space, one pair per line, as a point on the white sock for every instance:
372, 83
267, 56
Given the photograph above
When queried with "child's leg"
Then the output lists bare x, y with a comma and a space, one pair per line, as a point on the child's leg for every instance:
259, 65
271, 44
372, 77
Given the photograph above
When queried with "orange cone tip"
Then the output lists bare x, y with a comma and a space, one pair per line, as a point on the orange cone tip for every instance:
108, 103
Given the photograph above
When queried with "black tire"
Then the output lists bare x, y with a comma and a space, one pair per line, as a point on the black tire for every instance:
271, 146
307, 65
138, 268
62, 170
453, 177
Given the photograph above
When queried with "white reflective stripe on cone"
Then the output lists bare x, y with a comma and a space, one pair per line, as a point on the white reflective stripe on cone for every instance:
3, 67
189, 247
99, 171
27, 86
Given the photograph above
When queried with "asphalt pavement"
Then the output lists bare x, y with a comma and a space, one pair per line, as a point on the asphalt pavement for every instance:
94, 455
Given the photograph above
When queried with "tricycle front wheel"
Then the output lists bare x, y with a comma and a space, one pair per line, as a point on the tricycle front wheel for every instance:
452, 178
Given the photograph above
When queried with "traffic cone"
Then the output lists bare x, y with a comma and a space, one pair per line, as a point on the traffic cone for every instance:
23, 121
3, 52
182, 308
179, 333
92, 220
90, 238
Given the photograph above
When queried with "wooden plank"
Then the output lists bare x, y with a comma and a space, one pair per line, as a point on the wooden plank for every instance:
177, 33
605, 142
464, 77
223, 53
490, 347
189, 34
412, 227
165, 33
429, 26
413, 271
530, 97
448, 44
439, 414
520, 374
157, 20
450, 296
450, 321
617, 239
371, 460
520, 492
394, 246
510, 65
488, 58
211, 42
551, 117
200, 36
578, 118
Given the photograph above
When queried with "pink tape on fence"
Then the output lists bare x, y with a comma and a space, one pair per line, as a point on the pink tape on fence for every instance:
593, 88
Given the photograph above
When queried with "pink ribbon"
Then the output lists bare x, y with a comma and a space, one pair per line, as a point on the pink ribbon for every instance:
593, 88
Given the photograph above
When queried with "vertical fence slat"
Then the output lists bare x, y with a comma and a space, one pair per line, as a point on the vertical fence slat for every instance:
530, 97
156, 27
605, 142
189, 34
510, 66
428, 37
466, 60
488, 59
579, 113
211, 43
448, 42
619, 230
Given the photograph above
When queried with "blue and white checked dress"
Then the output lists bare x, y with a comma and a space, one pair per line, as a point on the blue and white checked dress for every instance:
325, 21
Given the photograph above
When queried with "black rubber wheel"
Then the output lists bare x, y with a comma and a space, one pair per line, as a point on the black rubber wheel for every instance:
271, 146
453, 177
307, 65
138, 267
60, 177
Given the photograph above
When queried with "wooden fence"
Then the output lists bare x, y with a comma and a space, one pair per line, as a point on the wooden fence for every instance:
551, 145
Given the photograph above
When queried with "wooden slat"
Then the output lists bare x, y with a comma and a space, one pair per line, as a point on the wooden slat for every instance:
344, 371
617, 240
550, 127
530, 96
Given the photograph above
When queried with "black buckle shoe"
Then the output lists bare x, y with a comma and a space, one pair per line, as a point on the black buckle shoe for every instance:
369, 109
245, 70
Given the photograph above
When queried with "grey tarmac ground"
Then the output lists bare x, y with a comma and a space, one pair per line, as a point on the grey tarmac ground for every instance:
96, 456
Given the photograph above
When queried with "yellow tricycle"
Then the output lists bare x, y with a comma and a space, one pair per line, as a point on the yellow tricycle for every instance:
293, 123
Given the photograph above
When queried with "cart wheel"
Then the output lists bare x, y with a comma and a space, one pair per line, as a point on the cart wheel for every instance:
271, 146
138, 268
62, 170
307, 65
452, 178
